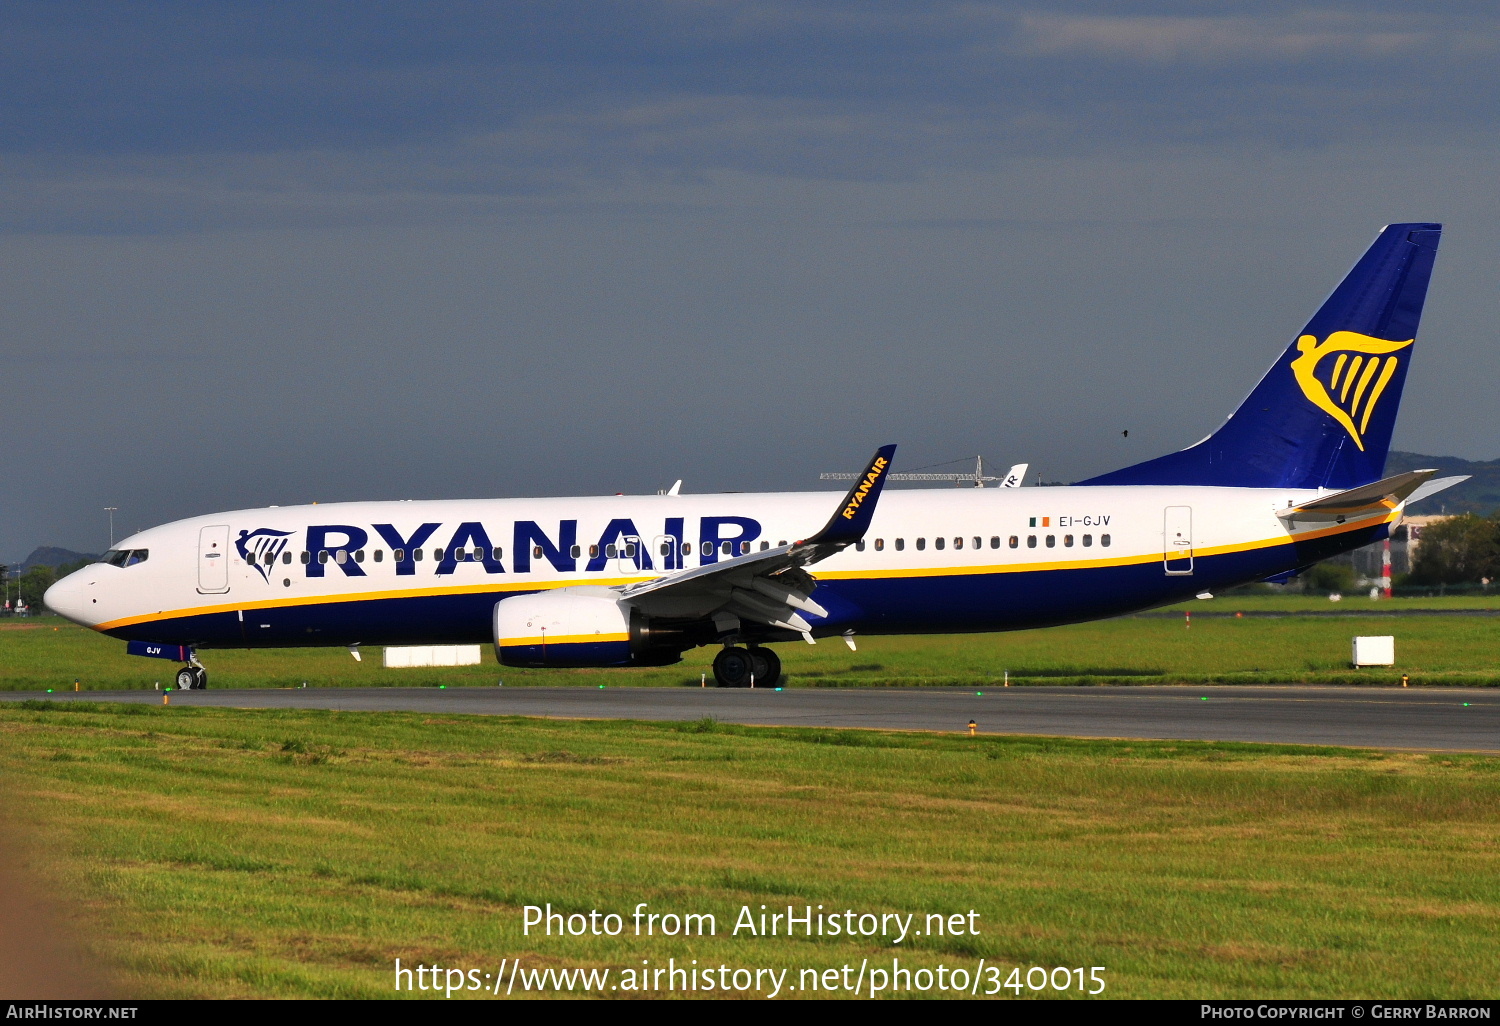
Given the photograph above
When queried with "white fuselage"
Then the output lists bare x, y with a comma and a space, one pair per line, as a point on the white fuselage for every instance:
932, 560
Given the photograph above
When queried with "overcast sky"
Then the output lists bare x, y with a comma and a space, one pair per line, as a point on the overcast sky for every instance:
270, 253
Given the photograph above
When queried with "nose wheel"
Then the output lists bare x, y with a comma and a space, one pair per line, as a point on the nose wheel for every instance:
192, 678
735, 668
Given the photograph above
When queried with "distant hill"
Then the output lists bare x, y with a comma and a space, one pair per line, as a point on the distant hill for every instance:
1481, 494
48, 555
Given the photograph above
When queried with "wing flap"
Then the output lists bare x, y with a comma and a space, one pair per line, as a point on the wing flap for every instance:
770, 587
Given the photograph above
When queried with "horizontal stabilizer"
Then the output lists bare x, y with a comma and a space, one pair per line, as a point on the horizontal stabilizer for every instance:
1377, 498
1435, 486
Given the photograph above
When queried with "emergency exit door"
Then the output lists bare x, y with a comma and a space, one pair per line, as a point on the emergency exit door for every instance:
213, 560
1177, 541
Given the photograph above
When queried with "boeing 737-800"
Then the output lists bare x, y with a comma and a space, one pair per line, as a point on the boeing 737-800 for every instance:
1294, 476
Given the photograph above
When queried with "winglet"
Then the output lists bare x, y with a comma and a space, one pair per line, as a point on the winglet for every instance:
849, 524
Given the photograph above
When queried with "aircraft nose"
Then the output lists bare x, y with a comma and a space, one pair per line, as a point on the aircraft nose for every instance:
66, 598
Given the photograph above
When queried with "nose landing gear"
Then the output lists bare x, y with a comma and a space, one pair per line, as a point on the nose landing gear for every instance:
192, 678
735, 667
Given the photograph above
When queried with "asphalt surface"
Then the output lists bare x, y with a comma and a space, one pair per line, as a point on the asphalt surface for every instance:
1414, 718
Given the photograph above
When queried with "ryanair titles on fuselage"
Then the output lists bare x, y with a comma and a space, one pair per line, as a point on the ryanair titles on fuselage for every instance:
341, 547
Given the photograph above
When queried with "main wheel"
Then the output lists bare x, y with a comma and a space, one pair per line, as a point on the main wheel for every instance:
187, 678
202, 681
767, 667
732, 668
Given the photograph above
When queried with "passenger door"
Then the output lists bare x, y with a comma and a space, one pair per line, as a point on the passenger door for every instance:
213, 560
628, 555
1177, 541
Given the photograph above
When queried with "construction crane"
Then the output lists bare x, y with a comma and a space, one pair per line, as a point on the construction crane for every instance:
1013, 478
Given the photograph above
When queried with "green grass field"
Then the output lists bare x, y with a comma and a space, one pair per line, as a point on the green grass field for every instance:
285, 853
50, 653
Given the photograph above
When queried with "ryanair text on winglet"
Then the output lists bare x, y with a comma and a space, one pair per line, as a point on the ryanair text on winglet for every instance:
876, 469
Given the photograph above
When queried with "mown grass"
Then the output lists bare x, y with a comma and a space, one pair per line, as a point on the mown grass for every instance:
233, 853
1446, 650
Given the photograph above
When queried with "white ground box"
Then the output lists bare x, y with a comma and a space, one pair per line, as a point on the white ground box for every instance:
430, 655
1375, 651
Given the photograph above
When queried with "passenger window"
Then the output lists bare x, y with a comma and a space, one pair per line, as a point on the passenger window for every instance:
687, 548
322, 555
766, 545
341, 557
666, 549
938, 542
380, 555
438, 554
708, 548
630, 549
575, 552
249, 559
498, 553
359, 556
977, 544
744, 547
398, 555
306, 557
900, 544
1031, 541
921, 544
1051, 541
417, 554
1014, 541
859, 546
879, 544
1088, 540
782, 542
727, 548
536, 552
286, 557
1104, 540
1067, 541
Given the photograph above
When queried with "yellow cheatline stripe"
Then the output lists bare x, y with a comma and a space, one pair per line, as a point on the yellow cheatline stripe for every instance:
494, 587
564, 639
1088, 564
831, 575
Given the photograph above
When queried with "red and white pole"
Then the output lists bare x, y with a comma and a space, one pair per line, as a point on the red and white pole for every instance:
1385, 567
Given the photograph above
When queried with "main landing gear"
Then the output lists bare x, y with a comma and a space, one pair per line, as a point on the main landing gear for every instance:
747, 667
192, 678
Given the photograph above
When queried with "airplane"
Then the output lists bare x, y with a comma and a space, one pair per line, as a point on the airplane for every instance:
1293, 477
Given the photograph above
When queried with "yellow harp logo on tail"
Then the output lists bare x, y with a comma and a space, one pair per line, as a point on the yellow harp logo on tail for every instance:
1348, 386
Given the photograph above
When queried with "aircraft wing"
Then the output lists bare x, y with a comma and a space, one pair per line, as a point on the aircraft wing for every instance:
769, 587
1377, 498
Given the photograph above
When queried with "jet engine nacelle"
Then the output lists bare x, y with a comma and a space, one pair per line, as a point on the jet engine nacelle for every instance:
583, 626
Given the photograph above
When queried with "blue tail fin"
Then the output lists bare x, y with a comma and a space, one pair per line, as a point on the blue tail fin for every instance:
1323, 415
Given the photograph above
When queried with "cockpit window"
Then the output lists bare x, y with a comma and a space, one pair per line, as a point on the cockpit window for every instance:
125, 557
137, 556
